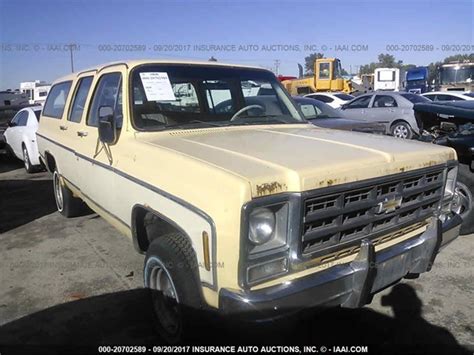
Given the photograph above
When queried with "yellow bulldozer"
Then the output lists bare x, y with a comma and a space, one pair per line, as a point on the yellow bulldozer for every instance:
327, 77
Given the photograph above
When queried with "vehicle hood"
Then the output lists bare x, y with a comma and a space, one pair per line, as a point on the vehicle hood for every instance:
348, 124
279, 158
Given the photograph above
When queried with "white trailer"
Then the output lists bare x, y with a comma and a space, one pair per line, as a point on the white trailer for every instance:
35, 90
387, 79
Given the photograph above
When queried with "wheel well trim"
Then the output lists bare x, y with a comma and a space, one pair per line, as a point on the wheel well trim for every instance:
137, 247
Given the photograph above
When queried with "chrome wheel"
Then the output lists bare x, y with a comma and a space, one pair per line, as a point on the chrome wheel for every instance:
26, 159
165, 298
401, 131
58, 191
462, 200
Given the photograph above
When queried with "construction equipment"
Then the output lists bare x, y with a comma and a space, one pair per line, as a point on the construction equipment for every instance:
327, 77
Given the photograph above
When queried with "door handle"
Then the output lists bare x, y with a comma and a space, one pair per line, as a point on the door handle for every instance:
63, 128
82, 133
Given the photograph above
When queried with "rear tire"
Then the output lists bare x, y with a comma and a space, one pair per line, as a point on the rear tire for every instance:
171, 272
401, 129
463, 203
27, 162
67, 204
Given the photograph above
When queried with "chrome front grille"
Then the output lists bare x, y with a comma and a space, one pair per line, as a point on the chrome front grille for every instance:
345, 215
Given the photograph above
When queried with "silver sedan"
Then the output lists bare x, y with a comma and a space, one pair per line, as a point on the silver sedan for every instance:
393, 109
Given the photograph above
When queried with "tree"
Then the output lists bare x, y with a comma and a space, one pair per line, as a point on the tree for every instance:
309, 62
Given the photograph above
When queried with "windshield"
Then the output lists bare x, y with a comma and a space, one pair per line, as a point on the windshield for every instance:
459, 74
413, 98
411, 83
190, 96
337, 69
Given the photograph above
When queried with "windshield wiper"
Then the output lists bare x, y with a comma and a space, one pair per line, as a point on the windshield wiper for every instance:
184, 124
261, 119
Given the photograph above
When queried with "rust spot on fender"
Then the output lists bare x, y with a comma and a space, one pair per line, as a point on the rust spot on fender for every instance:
269, 188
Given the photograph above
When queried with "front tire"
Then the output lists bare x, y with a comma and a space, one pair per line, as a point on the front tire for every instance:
67, 204
171, 272
463, 202
402, 130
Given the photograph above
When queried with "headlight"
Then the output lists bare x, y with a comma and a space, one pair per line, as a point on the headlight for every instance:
261, 225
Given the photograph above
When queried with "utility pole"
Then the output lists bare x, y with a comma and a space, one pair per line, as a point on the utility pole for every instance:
72, 58
277, 66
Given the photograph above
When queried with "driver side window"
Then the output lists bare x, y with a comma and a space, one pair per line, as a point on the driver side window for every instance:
107, 93
361, 102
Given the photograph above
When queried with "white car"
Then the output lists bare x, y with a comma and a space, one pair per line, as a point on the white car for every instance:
20, 137
449, 95
333, 99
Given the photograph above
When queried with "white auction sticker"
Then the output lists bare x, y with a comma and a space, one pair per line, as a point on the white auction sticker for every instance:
157, 86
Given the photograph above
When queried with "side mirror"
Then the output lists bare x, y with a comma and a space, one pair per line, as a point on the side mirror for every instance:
107, 131
11, 124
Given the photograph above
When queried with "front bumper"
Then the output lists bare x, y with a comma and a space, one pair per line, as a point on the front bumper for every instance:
350, 285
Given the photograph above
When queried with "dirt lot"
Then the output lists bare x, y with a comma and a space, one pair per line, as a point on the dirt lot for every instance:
79, 281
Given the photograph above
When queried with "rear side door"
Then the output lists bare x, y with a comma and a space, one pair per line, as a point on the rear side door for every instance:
52, 127
97, 159
357, 108
72, 125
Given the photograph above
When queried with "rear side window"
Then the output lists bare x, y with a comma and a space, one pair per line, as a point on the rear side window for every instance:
107, 93
54, 106
23, 118
79, 100
37, 114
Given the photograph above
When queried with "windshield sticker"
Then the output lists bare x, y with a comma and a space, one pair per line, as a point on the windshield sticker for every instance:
157, 86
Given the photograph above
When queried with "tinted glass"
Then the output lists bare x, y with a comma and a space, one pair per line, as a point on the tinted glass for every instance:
56, 100
384, 101
448, 98
37, 114
361, 102
23, 118
106, 94
413, 98
79, 100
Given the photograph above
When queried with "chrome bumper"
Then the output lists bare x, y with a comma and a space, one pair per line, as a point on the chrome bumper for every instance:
349, 285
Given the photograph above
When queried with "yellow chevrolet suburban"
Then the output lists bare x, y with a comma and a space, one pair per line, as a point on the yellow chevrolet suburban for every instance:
239, 204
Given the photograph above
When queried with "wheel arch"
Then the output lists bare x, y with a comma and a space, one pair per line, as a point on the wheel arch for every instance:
50, 162
147, 221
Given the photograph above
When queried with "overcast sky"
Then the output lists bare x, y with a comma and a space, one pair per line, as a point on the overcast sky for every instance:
33, 33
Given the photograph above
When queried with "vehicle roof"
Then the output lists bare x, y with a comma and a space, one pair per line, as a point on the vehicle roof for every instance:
34, 108
453, 108
134, 63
